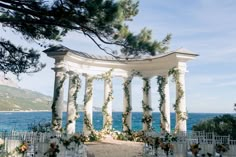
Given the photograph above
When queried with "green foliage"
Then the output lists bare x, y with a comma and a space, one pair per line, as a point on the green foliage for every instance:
147, 119
162, 81
17, 59
103, 21
56, 119
221, 125
108, 118
181, 116
94, 137
87, 98
128, 107
40, 127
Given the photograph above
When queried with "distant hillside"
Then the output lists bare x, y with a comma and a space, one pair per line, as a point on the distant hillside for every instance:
17, 99
12, 98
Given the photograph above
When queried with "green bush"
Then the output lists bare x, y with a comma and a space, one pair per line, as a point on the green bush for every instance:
42, 127
220, 125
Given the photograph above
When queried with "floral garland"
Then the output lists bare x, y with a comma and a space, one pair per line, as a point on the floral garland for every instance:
180, 92
53, 150
167, 143
56, 121
68, 142
76, 138
162, 81
128, 108
222, 148
127, 97
147, 119
134, 136
88, 96
22, 148
108, 118
76, 81
195, 148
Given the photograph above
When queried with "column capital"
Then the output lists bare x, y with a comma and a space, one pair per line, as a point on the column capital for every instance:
59, 69
127, 77
72, 73
182, 67
182, 71
86, 75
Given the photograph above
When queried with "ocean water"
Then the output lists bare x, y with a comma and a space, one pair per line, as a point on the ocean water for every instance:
20, 121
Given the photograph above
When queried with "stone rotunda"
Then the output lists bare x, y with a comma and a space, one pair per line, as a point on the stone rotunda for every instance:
74, 64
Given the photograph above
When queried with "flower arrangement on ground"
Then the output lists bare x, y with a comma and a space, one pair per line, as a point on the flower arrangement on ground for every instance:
76, 138
153, 142
22, 148
128, 136
166, 143
221, 148
95, 136
53, 150
194, 148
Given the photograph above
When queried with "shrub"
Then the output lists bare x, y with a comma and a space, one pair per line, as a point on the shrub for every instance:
40, 127
220, 125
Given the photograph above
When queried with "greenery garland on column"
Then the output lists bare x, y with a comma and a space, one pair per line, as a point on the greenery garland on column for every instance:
56, 120
77, 82
108, 117
127, 97
146, 107
162, 81
128, 107
180, 92
87, 98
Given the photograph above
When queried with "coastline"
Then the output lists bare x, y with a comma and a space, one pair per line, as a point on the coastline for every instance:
26, 111
116, 111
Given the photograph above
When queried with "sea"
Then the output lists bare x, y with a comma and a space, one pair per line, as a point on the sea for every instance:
20, 121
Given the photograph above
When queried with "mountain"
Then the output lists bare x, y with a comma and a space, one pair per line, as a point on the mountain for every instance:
15, 99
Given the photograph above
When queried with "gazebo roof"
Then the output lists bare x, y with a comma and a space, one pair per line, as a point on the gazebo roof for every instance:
96, 64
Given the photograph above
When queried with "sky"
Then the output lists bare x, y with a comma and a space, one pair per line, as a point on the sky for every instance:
206, 27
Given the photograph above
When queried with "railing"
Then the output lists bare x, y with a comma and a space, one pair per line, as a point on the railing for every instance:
38, 145
206, 143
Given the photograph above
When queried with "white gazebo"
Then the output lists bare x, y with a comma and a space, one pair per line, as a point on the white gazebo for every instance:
74, 64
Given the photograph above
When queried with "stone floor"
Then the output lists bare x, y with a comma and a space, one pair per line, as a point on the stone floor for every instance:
114, 148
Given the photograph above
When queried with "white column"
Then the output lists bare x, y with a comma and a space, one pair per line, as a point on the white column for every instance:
88, 105
72, 114
58, 105
127, 108
165, 121
181, 114
107, 115
147, 107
